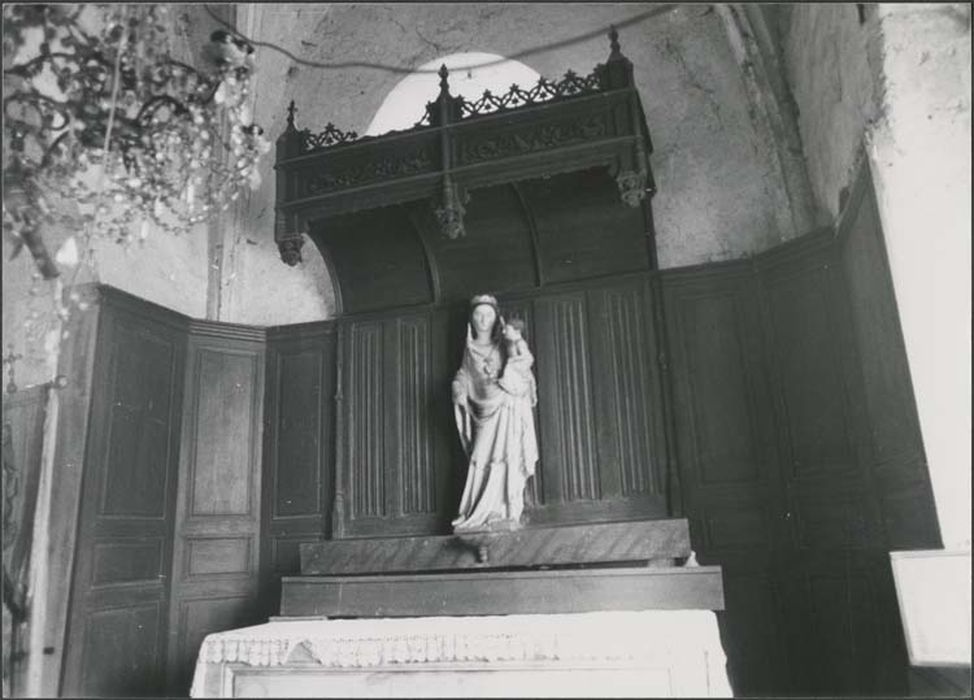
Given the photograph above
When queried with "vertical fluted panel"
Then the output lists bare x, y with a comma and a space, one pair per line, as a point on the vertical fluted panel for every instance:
417, 474
367, 432
627, 343
579, 477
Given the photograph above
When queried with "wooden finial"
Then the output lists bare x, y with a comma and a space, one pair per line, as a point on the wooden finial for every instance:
614, 42
444, 84
291, 109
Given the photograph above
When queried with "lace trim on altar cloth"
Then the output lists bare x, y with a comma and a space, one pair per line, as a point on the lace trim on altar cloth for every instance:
610, 642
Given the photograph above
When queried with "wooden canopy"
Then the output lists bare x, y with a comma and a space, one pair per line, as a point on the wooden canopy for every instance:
509, 192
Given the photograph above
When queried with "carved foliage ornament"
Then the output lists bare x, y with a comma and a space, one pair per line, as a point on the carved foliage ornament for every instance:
540, 138
632, 187
290, 249
416, 162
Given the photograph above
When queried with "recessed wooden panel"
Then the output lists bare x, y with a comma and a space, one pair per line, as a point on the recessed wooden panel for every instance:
139, 426
367, 430
832, 515
584, 229
722, 431
844, 632
297, 485
494, 255
418, 480
746, 526
121, 652
894, 426
123, 561
570, 399
218, 555
378, 259
815, 395
909, 515
628, 379
752, 630
222, 480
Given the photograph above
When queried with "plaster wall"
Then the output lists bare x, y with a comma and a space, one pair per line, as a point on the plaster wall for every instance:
833, 65
727, 184
898, 89
717, 161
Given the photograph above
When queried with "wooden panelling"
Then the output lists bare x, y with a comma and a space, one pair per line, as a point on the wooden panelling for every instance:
297, 478
752, 628
418, 492
624, 395
566, 423
222, 479
833, 514
122, 561
129, 490
215, 558
737, 526
378, 259
852, 630
366, 426
891, 427
909, 515
220, 556
139, 415
122, 652
805, 341
299, 449
721, 437
595, 235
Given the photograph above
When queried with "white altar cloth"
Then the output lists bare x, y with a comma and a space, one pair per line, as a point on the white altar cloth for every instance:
658, 653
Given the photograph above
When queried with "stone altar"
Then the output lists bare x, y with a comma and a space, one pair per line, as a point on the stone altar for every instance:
657, 653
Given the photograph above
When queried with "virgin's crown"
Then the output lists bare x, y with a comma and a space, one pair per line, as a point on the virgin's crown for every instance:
483, 299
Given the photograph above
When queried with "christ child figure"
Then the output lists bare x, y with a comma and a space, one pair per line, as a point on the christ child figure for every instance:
518, 379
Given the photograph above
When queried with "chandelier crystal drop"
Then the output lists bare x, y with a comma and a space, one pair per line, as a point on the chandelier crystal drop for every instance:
106, 129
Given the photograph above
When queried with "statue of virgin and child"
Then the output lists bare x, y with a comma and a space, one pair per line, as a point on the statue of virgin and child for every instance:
494, 394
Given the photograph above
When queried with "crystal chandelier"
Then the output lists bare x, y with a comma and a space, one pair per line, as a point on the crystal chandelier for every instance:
104, 130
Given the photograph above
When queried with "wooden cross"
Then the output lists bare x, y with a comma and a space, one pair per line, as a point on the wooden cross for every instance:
9, 359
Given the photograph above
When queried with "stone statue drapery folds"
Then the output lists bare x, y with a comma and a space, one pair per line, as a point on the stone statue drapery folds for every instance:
494, 394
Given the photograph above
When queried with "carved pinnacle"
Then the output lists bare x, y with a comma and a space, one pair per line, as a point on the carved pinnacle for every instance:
444, 84
291, 109
614, 42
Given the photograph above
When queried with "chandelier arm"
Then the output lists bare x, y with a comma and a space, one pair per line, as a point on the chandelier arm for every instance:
158, 101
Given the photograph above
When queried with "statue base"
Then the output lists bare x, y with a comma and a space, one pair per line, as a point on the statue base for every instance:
637, 542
